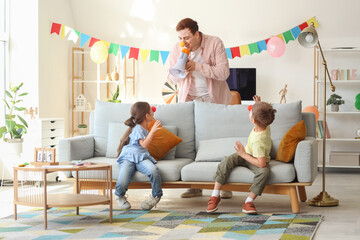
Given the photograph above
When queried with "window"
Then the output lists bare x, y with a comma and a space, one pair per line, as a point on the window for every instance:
4, 52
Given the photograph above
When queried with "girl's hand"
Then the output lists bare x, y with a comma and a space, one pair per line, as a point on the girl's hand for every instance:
256, 98
239, 148
156, 126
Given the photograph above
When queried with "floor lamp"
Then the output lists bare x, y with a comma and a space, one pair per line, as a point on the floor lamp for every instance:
309, 38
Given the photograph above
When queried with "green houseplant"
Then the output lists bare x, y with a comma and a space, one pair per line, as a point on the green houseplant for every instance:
82, 128
15, 125
115, 96
335, 100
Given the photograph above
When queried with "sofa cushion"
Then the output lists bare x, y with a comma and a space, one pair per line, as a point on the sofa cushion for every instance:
214, 150
163, 141
220, 121
290, 141
117, 130
286, 117
180, 115
204, 172
169, 169
106, 112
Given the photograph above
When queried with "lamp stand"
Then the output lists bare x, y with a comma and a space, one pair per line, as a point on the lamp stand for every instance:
324, 199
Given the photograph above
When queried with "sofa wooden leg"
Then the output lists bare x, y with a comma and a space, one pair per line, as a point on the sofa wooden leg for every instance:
294, 200
302, 193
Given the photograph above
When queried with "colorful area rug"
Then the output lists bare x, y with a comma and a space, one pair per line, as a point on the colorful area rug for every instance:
63, 223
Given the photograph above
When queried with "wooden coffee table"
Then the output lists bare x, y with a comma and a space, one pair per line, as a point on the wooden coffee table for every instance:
28, 193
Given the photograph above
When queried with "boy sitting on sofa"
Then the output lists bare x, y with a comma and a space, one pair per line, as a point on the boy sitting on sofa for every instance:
254, 156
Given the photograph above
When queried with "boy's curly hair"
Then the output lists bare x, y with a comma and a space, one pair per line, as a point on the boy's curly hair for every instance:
263, 113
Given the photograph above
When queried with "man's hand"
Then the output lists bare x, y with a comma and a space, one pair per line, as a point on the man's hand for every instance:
239, 148
190, 66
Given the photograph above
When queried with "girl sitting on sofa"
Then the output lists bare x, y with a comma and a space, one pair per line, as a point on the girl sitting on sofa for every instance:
133, 155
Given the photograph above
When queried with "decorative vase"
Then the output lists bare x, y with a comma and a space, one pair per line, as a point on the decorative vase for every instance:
334, 108
14, 146
108, 78
115, 74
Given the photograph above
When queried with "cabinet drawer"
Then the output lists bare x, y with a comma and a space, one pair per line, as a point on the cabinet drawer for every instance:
50, 141
52, 124
52, 132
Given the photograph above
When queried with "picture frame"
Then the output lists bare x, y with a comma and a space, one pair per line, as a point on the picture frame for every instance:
44, 156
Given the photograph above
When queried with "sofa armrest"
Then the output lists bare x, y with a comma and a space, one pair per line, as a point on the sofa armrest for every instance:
306, 160
76, 148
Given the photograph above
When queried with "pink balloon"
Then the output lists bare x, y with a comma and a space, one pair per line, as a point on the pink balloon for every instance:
276, 47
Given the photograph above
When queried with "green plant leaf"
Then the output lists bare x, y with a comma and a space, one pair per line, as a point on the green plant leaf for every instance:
3, 131
18, 101
21, 84
10, 124
23, 121
23, 94
8, 94
19, 108
7, 105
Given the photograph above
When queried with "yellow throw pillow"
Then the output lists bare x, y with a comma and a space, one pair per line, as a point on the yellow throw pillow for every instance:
289, 142
163, 142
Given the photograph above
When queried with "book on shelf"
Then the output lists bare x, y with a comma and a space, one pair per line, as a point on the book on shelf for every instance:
318, 134
321, 127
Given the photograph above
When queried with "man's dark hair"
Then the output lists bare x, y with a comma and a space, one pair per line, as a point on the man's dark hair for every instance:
188, 23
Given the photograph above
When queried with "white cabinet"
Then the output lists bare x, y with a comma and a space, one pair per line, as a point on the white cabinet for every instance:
344, 123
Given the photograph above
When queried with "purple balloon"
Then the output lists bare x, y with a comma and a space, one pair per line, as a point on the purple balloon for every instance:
276, 47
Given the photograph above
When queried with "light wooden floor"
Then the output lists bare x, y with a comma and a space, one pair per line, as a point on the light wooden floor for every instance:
341, 222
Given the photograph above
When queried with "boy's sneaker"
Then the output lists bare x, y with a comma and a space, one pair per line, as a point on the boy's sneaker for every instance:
249, 208
213, 204
122, 202
148, 204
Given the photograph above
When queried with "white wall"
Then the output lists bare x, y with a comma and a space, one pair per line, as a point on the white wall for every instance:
44, 60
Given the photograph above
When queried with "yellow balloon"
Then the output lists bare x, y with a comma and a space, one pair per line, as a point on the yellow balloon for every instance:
99, 52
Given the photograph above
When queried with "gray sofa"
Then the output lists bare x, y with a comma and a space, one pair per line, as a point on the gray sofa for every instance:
208, 132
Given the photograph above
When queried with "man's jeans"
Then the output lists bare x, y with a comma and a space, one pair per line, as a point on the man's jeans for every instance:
127, 170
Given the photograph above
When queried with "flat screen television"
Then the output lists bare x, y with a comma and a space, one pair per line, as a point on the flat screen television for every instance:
243, 80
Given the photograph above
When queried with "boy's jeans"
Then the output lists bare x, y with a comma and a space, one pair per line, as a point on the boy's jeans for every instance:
127, 170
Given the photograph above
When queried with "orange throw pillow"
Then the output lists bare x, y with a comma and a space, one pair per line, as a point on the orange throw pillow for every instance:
163, 142
289, 142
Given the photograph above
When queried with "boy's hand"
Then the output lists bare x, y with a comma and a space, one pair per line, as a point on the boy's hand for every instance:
156, 126
239, 148
256, 98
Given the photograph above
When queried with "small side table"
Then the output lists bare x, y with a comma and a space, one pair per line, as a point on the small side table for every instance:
31, 194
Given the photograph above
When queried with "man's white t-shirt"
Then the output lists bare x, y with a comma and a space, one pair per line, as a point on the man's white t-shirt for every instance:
198, 86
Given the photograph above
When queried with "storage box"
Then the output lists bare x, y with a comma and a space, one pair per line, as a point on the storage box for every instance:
345, 158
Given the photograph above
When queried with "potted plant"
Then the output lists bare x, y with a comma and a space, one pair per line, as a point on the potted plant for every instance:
15, 125
335, 100
115, 96
82, 128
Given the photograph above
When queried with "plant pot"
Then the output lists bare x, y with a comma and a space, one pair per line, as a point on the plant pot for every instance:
334, 108
82, 131
14, 146
115, 101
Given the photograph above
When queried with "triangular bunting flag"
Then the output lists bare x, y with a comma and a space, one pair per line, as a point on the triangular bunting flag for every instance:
114, 48
235, 52
124, 50
312, 20
281, 37
296, 31
244, 50
83, 39
253, 47
266, 40
106, 43
228, 53
74, 35
64, 31
164, 56
262, 45
134, 53
144, 53
154, 56
288, 36
92, 41
303, 25
55, 28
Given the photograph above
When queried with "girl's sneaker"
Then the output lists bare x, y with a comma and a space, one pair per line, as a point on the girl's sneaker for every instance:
122, 202
149, 203
249, 208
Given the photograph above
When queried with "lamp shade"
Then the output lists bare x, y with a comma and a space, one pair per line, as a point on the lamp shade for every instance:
308, 37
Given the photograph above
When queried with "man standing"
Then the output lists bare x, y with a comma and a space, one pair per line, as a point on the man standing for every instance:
207, 70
